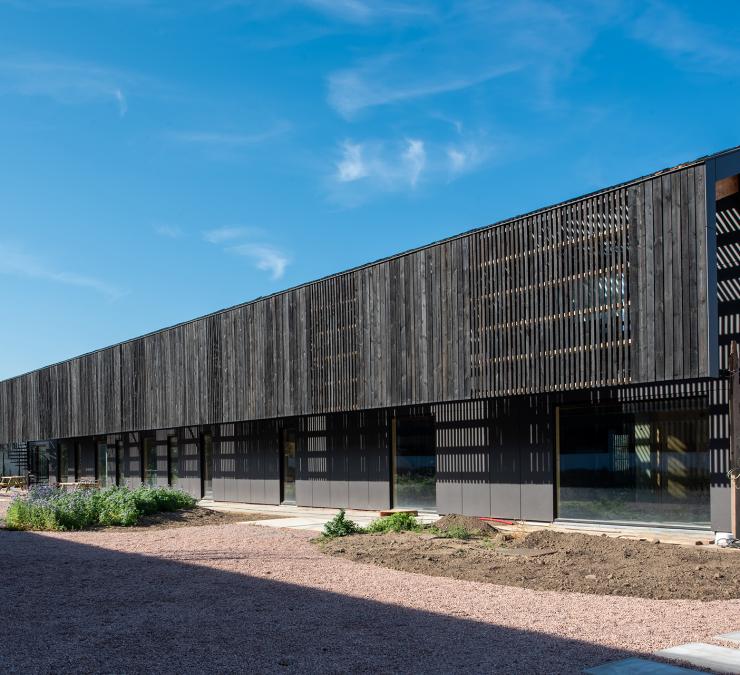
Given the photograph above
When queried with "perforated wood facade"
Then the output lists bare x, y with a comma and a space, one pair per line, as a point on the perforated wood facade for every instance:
613, 288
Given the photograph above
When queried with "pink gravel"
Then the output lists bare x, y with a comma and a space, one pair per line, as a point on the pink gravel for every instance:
242, 598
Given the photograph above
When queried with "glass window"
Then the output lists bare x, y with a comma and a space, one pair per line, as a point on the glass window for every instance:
149, 461
63, 468
635, 465
415, 464
172, 461
207, 465
119, 462
289, 466
102, 465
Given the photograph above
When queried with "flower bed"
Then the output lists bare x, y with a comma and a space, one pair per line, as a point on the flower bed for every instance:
51, 508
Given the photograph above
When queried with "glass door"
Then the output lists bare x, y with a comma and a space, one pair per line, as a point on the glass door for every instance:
63, 466
102, 464
414, 463
288, 466
206, 459
149, 461
173, 462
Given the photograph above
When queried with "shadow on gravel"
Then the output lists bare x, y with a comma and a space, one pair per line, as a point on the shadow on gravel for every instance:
69, 607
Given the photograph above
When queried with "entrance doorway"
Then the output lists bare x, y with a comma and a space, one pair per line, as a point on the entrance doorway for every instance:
206, 465
288, 466
414, 463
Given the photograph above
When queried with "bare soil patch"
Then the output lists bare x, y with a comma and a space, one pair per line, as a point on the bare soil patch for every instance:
196, 517
556, 561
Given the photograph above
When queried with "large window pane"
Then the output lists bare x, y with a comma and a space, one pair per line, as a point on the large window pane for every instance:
103, 463
150, 461
635, 464
415, 464
173, 461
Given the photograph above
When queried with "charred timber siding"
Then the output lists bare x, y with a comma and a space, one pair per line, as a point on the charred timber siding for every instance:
605, 290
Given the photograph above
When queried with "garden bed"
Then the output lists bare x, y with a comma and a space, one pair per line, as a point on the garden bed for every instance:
52, 508
198, 516
553, 561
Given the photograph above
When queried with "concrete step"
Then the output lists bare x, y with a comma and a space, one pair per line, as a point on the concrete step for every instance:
702, 655
635, 666
729, 637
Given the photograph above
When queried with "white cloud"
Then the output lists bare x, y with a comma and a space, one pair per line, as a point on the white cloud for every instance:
467, 156
224, 234
15, 262
266, 257
415, 159
385, 165
351, 166
65, 81
168, 231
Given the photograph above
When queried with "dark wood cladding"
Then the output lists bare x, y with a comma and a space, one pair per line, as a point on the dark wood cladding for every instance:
668, 280
605, 290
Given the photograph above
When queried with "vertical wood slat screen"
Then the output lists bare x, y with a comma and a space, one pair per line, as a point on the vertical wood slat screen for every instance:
605, 290
549, 298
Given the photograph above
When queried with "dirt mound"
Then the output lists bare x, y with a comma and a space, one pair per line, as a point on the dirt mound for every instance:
470, 523
558, 561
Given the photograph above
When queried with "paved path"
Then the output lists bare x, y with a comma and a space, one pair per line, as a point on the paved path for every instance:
712, 657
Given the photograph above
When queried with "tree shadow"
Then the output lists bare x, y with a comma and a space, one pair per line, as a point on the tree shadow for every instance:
76, 607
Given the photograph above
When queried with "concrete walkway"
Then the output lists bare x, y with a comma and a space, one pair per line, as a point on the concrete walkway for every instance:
301, 517
715, 658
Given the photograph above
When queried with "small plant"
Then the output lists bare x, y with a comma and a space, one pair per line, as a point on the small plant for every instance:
341, 526
396, 522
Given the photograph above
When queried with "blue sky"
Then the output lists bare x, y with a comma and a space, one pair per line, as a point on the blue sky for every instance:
161, 159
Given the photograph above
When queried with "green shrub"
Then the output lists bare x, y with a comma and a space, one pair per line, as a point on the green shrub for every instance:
341, 526
396, 522
50, 508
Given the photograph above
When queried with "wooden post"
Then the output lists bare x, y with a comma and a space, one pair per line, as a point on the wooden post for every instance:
734, 405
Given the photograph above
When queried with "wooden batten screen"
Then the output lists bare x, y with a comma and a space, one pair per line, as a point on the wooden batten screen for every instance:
605, 290
549, 298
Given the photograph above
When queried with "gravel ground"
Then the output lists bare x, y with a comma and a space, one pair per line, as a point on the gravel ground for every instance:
241, 598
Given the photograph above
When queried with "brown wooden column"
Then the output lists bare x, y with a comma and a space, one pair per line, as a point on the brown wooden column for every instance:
734, 405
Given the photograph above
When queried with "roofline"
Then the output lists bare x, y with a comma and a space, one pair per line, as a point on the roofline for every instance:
395, 256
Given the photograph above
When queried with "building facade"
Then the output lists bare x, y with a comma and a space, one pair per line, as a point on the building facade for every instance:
565, 364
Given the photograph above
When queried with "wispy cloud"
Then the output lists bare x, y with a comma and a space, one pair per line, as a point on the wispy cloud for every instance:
169, 231
65, 81
372, 84
222, 139
249, 243
359, 11
391, 166
16, 262
472, 44
265, 256
351, 166
224, 234
670, 30
466, 156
